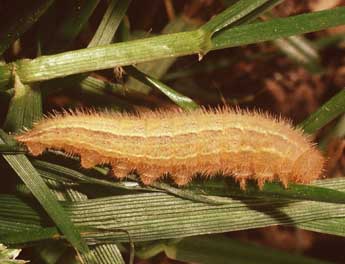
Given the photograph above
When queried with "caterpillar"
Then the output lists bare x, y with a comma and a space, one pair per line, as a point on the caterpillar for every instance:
243, 144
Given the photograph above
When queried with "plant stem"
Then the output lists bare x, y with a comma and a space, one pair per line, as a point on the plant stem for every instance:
165, 46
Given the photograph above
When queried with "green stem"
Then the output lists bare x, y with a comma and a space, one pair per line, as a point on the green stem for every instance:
164, 46
104, 57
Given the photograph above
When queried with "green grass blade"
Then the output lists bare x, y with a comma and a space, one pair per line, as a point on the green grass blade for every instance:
110, 22
183, 101
101, 253
153, 216
326, 113
198, 190
140, 79
66, 175
334, 226
104, 35
188, 194
157, 69
193, 218
170, 45
108, 254
25, 108
270, 190
238, 12
40, 190
299, 49
12, 149
279, 28
337, 132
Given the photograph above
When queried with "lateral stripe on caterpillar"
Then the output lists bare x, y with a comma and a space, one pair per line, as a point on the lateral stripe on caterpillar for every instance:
246, 145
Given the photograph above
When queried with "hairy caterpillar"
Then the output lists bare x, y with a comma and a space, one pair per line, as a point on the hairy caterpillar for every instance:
246, 145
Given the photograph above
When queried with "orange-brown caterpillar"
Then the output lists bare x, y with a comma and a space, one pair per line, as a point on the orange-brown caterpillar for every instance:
246, 145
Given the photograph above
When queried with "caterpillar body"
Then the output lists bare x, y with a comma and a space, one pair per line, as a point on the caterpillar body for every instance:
243, 144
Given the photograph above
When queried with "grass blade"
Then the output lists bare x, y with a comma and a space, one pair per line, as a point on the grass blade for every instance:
110, 22
270, 190
238, 13
164, 46
326, 113
152, 216
40, 190
158, 69
50, 170
183, 101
